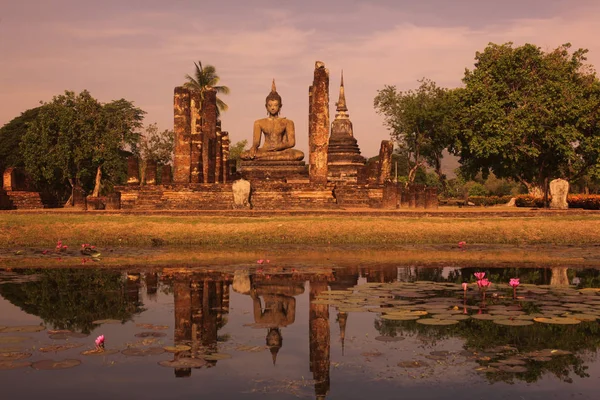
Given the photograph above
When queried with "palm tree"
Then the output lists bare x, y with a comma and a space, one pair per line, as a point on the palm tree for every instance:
203, 78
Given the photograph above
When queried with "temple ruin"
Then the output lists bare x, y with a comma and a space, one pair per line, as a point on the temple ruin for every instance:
334, 176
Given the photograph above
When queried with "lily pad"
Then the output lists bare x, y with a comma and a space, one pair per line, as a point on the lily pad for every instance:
153, 327
51, 364
5, 365
486, 317
10, 349
141, 352
216, 356
513, 322
150, 334
12, 339
413, 364
15, 355
96, 352
177, 348
512, 361
183, 362
23, 328
59, 347
400, 317
455, 317
437, 322
584, 317
106, 321
558, 321
486, 369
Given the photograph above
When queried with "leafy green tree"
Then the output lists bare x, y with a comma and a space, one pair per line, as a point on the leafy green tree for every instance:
419, 122
205, 77
529, 115
235, 150
156, 146
10, 138
75, 138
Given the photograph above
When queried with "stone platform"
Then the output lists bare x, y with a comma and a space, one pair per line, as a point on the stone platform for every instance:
272, 170
21, 200
272, 195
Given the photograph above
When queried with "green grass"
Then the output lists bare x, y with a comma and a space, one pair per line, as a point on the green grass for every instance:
42, 230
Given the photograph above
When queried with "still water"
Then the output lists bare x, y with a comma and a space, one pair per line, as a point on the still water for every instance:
267, 331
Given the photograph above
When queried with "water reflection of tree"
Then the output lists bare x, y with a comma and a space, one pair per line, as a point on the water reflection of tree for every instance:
482, 336
73, 298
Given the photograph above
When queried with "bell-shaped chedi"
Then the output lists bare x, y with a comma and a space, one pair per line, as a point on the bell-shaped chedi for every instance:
343, 155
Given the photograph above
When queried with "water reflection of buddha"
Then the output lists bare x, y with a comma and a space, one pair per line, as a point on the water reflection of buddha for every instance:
278, 310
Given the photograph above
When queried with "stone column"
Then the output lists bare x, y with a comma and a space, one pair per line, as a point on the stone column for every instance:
165, 176
209, 127
218, 156
133, 171
151, 172
385, 161
318, 124
196, 138
183, 130
225, 155
390, 196
8, 179
420, 196
431, 198
559, 189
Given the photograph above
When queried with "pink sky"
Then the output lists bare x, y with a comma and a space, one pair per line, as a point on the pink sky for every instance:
140, 50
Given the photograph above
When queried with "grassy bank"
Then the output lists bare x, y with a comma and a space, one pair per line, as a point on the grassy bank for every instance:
214, 232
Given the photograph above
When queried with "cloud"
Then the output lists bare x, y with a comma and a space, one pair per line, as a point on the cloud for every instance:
142, 54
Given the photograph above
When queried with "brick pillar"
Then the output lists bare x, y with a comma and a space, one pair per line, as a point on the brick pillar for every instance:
318, 124
183, 130
412, 200
133, 171
209, 136
218, 155
390, 195
385, 161
225, 153
151, 172
165, 175
431, 201
196, 138
8, 179
420, 196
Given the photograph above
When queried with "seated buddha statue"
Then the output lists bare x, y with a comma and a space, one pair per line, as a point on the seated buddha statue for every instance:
280, 136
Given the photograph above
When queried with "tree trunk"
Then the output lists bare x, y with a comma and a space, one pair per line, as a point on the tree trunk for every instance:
97, 185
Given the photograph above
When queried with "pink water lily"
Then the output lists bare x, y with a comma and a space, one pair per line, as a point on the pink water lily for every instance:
483, 283
260, 261
479, 275
465, 285
461, 244
100, 342
514, 282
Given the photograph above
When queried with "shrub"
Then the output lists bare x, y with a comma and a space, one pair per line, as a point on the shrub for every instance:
489, 200
585, 201
527, 200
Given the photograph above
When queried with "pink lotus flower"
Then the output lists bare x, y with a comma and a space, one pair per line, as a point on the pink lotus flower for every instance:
514, 282
100, 342
260, 261
461, 244
483, 283
465, 285
479, 275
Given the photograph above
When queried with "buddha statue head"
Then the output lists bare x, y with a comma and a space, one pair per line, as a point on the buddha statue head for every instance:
273, 101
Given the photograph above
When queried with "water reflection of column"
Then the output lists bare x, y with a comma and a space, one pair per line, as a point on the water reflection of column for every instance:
132, 288
182, 298
559, 276
151, 280
319, 339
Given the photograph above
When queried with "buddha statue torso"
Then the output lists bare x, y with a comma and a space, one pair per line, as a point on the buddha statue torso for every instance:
280, 135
